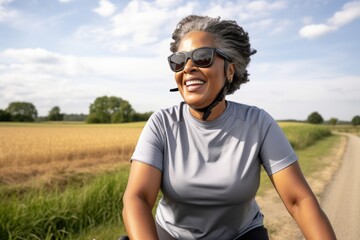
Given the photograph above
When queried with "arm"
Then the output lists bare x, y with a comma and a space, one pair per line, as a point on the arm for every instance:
301, 203
139, 199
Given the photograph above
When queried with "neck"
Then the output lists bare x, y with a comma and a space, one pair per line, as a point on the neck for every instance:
215, 112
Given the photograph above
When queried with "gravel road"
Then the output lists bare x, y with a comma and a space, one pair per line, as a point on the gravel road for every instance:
338, 189
341, 201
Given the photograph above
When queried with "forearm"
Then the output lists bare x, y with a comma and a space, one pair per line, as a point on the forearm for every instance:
312, 221
138, 219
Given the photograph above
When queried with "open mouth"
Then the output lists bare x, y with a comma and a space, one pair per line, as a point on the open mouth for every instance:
194, 82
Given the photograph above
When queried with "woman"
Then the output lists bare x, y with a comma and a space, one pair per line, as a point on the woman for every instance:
205, 154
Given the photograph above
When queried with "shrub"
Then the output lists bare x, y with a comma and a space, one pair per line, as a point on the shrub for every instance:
355, 120
315, 118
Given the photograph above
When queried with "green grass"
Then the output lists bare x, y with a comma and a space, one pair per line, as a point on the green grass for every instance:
303, 135
64, 214
346, 129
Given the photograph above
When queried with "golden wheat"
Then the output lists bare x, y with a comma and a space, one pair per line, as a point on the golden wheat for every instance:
31, 145
30, 150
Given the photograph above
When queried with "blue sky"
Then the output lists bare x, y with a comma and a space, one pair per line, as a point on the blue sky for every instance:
68, 52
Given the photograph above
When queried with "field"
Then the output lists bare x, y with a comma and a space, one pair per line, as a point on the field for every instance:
50, 151
65, 181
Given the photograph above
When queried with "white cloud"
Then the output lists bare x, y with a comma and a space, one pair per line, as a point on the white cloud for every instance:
37, 55
105, 9
6, 13
144, 23
316, 30
243, 10
65, 1
349, 13
294, 89
140, 23
47, 79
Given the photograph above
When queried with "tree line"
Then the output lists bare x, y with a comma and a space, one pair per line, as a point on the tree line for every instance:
103, 110
107, 109
316, 118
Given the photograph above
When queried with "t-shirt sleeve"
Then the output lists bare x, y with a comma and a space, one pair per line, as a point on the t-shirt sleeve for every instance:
150, 146
276, 153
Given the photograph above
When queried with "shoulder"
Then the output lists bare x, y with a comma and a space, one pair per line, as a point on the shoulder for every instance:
167, 116
248, 113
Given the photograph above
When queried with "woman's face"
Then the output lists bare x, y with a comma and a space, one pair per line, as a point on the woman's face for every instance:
199, 86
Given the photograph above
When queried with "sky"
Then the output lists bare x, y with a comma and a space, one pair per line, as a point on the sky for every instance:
67, 53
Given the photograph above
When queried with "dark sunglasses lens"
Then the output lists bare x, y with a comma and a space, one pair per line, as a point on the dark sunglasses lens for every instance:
203, 57
177, 61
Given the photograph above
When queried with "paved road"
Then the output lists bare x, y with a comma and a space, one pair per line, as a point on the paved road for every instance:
341, 201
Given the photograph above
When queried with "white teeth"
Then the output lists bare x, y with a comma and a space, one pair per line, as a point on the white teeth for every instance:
194, 82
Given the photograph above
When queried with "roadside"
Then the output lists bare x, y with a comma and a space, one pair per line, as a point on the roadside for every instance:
280, 224
342, 198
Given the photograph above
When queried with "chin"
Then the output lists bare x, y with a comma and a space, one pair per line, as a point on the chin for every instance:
196, 104
196, 100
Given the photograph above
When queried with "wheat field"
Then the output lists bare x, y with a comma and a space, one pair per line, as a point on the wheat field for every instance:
45, 151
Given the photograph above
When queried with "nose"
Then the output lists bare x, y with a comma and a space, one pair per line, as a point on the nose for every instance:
189, 66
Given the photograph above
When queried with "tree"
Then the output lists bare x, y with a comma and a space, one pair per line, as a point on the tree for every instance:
4, 116
142, 116
75, 117
22, 111
355, 120
333, 121
110, 110
315, 118
55, 115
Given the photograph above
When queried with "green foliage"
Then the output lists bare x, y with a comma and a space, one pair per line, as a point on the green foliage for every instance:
93, 118
5, 116
333, 121
302, 136
355, 120
55, 114
114, 110
110, 110
62, 215
22, 111
315, 118
75, 117
138, 117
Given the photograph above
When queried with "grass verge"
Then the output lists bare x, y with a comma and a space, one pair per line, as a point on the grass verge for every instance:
64, 214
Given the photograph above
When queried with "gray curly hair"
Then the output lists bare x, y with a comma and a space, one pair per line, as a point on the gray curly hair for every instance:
229, 36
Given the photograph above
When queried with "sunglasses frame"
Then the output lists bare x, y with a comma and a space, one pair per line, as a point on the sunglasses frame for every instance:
189, 55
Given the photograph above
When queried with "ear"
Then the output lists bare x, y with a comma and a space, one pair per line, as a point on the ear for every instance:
230, 71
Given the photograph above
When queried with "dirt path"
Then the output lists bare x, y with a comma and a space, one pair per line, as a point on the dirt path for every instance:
341, 201
338, 189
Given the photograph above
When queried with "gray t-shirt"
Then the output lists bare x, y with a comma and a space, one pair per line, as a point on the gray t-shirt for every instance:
211, 170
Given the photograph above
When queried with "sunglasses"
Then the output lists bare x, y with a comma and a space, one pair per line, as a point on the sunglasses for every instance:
201, 57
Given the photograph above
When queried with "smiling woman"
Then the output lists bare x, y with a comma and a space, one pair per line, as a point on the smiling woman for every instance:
205, 154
